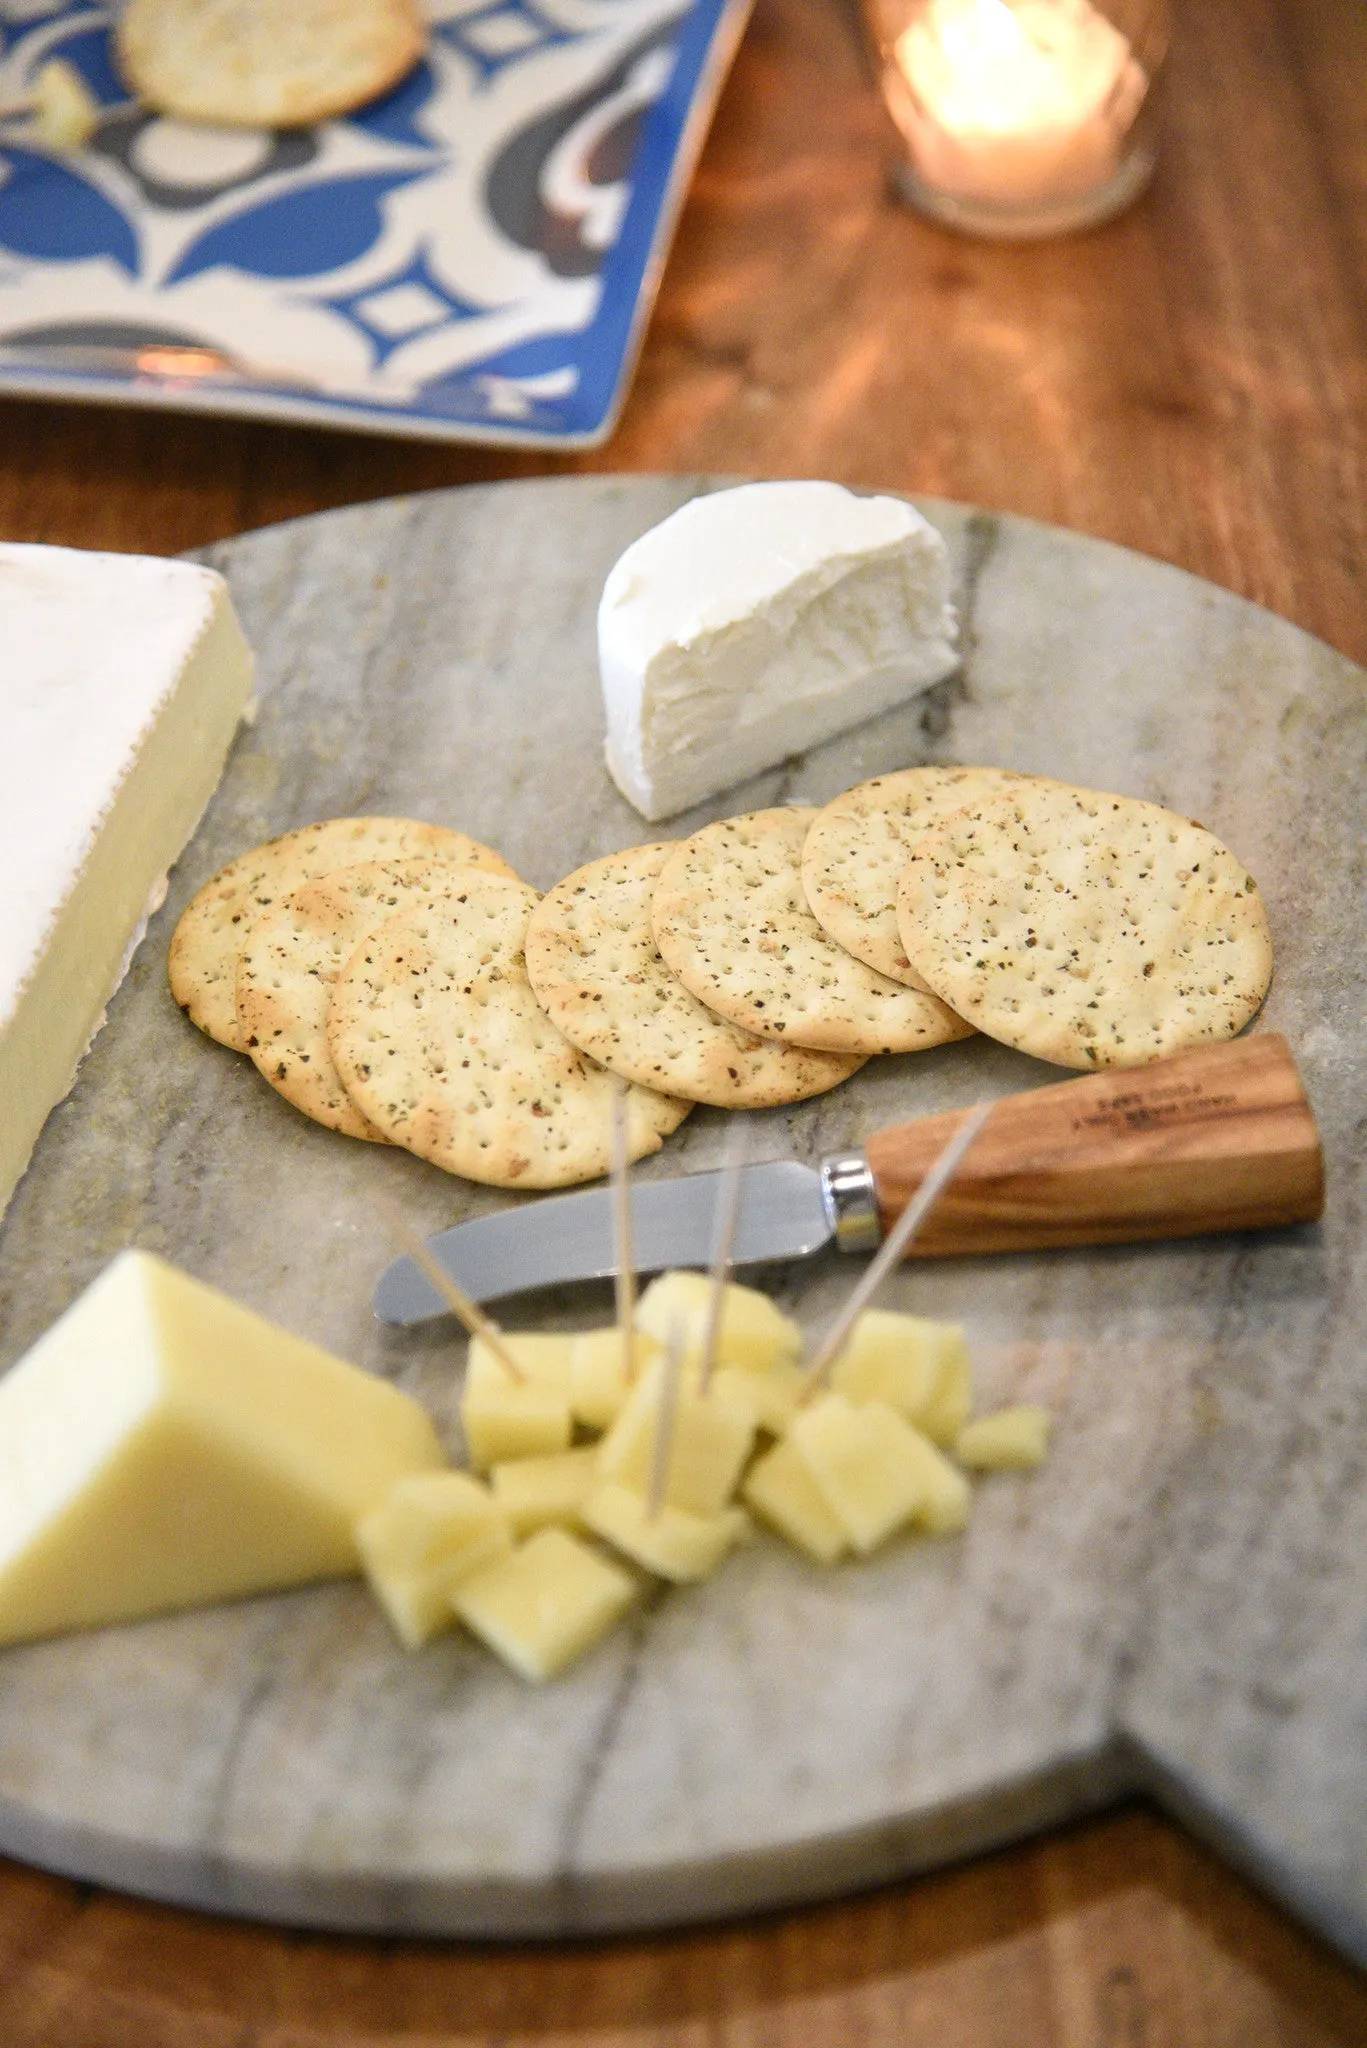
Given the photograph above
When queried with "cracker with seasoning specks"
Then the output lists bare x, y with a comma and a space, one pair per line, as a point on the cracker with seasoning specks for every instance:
732, 921
1087, 929
596, 969
857, 847
441, 1043
207, 944
285, 976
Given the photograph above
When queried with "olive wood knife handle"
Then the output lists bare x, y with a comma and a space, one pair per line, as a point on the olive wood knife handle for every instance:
1221, 1138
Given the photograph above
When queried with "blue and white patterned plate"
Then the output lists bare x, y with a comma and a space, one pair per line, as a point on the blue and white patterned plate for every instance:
472, 258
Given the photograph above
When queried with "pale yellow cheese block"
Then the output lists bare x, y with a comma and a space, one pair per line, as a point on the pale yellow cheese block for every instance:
771, 1397
876, 1473
709, 1438
536, 1493
504, 1417
781, 1489
918, 1367
949, 1408
671, 1543
1009, 1440
544, 1605
599, 1377
162, 1447
754, 1334
431, 1530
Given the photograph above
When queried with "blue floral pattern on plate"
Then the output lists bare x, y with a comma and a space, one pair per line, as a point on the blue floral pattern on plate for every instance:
471, 258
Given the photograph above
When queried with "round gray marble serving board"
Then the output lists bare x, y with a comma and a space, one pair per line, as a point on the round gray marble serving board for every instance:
1176, 1602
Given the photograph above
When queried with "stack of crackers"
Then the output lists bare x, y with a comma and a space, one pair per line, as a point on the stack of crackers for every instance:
397, 982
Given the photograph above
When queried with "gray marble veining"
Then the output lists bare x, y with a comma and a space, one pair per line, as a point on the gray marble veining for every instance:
1177, 1600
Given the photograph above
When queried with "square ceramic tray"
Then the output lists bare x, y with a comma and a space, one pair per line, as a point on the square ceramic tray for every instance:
471, 258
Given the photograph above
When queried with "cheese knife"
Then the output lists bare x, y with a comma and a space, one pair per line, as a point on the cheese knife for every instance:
1218, 1139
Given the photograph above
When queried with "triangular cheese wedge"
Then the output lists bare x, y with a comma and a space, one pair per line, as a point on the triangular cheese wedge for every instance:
162, 1446
124, 680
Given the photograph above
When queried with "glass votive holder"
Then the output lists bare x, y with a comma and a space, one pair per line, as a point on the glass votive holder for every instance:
1021, 118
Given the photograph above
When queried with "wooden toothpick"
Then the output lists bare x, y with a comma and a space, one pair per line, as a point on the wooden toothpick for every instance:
671, 1383
621, 1214
723, 1245
462, 1305
894, 1246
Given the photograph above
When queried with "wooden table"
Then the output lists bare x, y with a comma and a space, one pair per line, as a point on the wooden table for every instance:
1189, 381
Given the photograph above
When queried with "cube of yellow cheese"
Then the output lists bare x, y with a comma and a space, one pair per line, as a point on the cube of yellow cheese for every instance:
673, 1544
431, 1529
503, 1418
945, 1494
754, 1334
875, 1472
1011, 1439
780, 1487
918, 1367
709, 1441
599, 1380
534, 1492
771, 1397
545, 1604
162, 1447
950, 1406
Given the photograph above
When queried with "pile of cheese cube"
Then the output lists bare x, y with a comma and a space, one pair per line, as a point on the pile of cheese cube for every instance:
544, 1555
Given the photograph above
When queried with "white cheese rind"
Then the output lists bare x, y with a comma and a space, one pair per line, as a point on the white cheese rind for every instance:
124, 680
754, 623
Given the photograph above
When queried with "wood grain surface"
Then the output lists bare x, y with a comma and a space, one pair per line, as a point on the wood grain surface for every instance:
1188, 380
1221, 1138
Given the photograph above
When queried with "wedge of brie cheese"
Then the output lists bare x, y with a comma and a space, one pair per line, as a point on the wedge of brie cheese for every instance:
755, 622
124, 678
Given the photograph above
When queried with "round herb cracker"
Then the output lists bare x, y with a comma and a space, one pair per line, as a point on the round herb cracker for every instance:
731, 920
1087, 929
290, 960
207, 943
857, 847
441, 1043
596, 970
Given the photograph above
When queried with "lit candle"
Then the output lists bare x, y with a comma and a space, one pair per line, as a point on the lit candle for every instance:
1015, 103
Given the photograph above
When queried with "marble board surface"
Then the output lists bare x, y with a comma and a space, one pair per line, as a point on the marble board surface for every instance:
1176, 1602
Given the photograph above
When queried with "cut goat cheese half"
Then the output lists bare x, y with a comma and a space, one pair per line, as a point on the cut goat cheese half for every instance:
125, 679
753, 623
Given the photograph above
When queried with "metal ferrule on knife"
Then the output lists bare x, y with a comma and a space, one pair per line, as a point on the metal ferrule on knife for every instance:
849, 1195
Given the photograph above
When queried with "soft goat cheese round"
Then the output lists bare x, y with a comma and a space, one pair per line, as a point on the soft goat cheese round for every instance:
754, 623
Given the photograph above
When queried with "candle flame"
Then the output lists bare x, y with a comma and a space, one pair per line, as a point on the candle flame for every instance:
1014, 103
988, 67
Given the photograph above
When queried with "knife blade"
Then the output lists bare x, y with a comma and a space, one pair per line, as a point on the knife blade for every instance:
571, 1237
1220, 1138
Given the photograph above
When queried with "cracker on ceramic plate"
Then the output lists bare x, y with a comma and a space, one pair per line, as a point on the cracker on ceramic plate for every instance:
208, 941
732, 921
266, 63
857, 848
596, 970
291, 959
441, 1043
1087, 929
